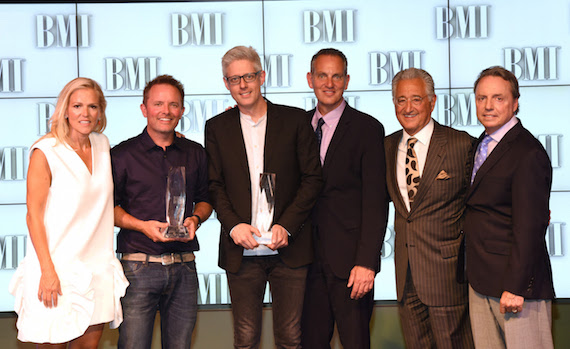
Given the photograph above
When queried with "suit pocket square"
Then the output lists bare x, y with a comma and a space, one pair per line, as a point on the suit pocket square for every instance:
442, 175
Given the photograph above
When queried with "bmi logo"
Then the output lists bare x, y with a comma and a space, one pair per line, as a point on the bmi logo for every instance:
13, 164
533, 63
195, 30
45, 110
462, 22
328, 26
62, 31
277, 70
551, 143
130, 73
456, 109
196, 112
384, 65
311, 102
11, 75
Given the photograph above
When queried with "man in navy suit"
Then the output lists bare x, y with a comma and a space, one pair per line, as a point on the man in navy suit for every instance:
506, 217
242, 143
349, 219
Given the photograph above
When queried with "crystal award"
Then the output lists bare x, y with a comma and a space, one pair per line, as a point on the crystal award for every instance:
176, 203
265, 207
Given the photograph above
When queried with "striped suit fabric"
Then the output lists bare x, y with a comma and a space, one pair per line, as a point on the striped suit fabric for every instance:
428, 240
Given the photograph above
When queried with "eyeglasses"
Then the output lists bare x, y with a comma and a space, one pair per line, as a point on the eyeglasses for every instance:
234, 80
416, 101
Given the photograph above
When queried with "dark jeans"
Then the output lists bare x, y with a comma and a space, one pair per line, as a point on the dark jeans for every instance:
247, 288
170, 288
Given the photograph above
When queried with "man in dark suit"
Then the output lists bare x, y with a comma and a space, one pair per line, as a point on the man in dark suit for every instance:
429, 203
242, 143
506, 217
350, 215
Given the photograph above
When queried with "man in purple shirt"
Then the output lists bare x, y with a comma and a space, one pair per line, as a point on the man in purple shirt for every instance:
349, 218
161, 271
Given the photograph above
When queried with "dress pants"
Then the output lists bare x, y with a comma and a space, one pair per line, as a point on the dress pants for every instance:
426, 326
247, 288
531, 328
328, 299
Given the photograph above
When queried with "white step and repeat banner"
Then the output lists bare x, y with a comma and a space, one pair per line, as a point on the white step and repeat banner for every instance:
124, 45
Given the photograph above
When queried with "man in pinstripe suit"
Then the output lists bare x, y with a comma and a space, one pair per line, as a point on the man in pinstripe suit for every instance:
429, 204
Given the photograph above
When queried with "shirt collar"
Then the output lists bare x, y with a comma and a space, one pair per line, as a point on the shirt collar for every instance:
332, 117
249, 120
502, 131
148, 143
423, 136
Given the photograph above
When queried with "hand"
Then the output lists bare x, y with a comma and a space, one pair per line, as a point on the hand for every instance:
179, 135
49, 288
361, 280
154, 230
242, 234
511, 303
191, 224
279, 237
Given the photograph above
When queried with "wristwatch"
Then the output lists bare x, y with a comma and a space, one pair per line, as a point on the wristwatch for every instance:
199, 220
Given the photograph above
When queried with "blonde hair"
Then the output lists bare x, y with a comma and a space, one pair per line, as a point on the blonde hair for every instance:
59, 126
241, 53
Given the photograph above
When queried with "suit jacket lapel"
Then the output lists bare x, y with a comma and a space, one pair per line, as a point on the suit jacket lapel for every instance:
235, 135
502, 147
435, 156
271, 132
392, 175
340, 131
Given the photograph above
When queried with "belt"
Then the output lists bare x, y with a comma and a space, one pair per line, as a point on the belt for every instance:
165, 258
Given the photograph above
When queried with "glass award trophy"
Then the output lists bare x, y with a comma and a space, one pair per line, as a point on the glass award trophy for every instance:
176, 203
265, 208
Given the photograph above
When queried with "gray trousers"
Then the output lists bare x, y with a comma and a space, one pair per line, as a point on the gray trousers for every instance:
530, 328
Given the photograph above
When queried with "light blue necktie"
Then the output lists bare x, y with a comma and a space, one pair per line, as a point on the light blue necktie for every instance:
481, 155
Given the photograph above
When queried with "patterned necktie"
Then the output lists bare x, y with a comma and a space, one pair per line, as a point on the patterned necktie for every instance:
412, 169
481, 155
319, 131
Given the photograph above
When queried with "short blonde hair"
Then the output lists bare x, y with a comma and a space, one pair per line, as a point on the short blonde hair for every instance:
241, 53
59, 125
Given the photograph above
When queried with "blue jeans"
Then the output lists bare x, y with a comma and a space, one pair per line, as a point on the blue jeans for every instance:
247, 288
172, 289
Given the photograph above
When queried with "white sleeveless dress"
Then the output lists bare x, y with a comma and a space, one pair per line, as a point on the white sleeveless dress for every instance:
79, 228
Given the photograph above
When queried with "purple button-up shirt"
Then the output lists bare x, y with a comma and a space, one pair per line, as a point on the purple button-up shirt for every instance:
140, 172
331, 121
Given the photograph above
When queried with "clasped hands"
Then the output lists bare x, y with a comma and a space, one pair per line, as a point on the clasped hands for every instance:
243, 233
155, 230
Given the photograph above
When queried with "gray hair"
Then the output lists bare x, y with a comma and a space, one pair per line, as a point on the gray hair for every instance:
414, 73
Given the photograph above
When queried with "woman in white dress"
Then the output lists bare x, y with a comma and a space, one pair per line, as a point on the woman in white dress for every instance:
70, 282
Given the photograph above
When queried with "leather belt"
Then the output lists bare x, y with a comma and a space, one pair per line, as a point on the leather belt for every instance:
165, 258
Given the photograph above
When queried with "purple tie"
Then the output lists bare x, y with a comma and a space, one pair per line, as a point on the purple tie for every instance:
481, 155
